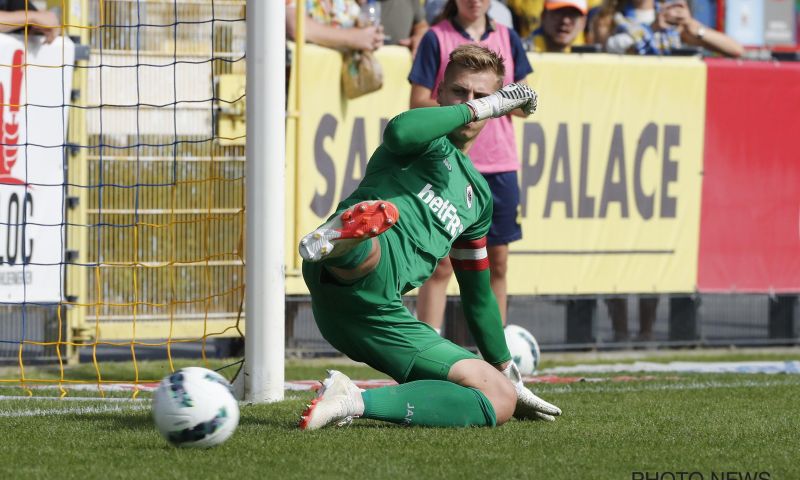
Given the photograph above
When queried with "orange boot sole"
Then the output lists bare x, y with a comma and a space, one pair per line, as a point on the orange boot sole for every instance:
338, 236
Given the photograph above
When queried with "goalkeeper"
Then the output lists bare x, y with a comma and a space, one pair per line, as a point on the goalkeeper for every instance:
420, 199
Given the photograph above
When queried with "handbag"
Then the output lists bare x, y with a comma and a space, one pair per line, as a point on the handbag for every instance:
361, 73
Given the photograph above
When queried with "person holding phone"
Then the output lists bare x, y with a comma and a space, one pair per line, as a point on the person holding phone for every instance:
651, 27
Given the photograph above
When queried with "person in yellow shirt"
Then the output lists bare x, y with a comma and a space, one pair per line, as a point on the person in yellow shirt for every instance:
526, 14
563, 22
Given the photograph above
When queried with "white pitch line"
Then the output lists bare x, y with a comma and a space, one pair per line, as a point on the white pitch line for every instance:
39, 412
639, 387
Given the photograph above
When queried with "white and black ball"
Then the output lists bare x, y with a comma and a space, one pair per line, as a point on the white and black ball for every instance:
195, 407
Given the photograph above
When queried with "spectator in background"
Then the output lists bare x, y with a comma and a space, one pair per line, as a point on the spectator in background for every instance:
494, 153
563, 22
403, 23
333, 24
528, 15
650, 27
13, 17
498, 11
618, 311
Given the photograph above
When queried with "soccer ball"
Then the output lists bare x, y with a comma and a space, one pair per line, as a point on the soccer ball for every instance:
524, 349
195, 407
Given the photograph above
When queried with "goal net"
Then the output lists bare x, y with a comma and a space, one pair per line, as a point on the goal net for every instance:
122, 187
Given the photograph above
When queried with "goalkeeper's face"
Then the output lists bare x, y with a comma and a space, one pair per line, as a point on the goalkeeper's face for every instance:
460, 86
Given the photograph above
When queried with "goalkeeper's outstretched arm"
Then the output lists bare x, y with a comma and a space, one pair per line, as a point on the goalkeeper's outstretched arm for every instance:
412, 131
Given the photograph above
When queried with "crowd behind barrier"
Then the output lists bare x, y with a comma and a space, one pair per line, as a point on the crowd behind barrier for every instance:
649, 27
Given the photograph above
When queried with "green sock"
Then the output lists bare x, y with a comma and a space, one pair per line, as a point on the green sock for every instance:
433, 403
353, 258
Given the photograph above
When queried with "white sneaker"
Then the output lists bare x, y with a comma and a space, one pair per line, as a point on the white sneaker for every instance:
529, 406
343, 232
338, 401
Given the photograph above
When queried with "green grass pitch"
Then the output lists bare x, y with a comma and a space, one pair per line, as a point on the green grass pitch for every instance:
713, 424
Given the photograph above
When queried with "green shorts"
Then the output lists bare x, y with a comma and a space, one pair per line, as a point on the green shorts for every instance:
367, 321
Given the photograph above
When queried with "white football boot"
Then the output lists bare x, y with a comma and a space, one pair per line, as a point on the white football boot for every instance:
529, 406
338, 401
343, 232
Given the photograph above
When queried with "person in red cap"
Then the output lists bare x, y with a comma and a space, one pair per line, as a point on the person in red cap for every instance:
563, 22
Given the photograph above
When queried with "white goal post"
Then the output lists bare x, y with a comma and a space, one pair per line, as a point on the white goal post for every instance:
266, 137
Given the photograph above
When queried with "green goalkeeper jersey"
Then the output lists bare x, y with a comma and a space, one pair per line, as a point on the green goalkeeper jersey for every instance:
439, 193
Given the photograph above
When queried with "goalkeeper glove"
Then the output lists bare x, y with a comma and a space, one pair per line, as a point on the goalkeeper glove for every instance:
529, 406
503, 101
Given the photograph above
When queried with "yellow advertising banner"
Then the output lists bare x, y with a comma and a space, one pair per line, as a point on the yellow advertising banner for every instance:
610, 178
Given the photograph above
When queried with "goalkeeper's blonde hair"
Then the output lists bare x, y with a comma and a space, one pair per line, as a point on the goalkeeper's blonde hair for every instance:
476, 58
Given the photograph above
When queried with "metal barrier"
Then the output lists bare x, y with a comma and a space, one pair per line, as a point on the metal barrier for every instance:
31, 322
580, 323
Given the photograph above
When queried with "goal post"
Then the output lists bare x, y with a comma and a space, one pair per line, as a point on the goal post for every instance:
265, 218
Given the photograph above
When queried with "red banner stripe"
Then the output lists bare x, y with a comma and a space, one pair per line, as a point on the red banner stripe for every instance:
750, 215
